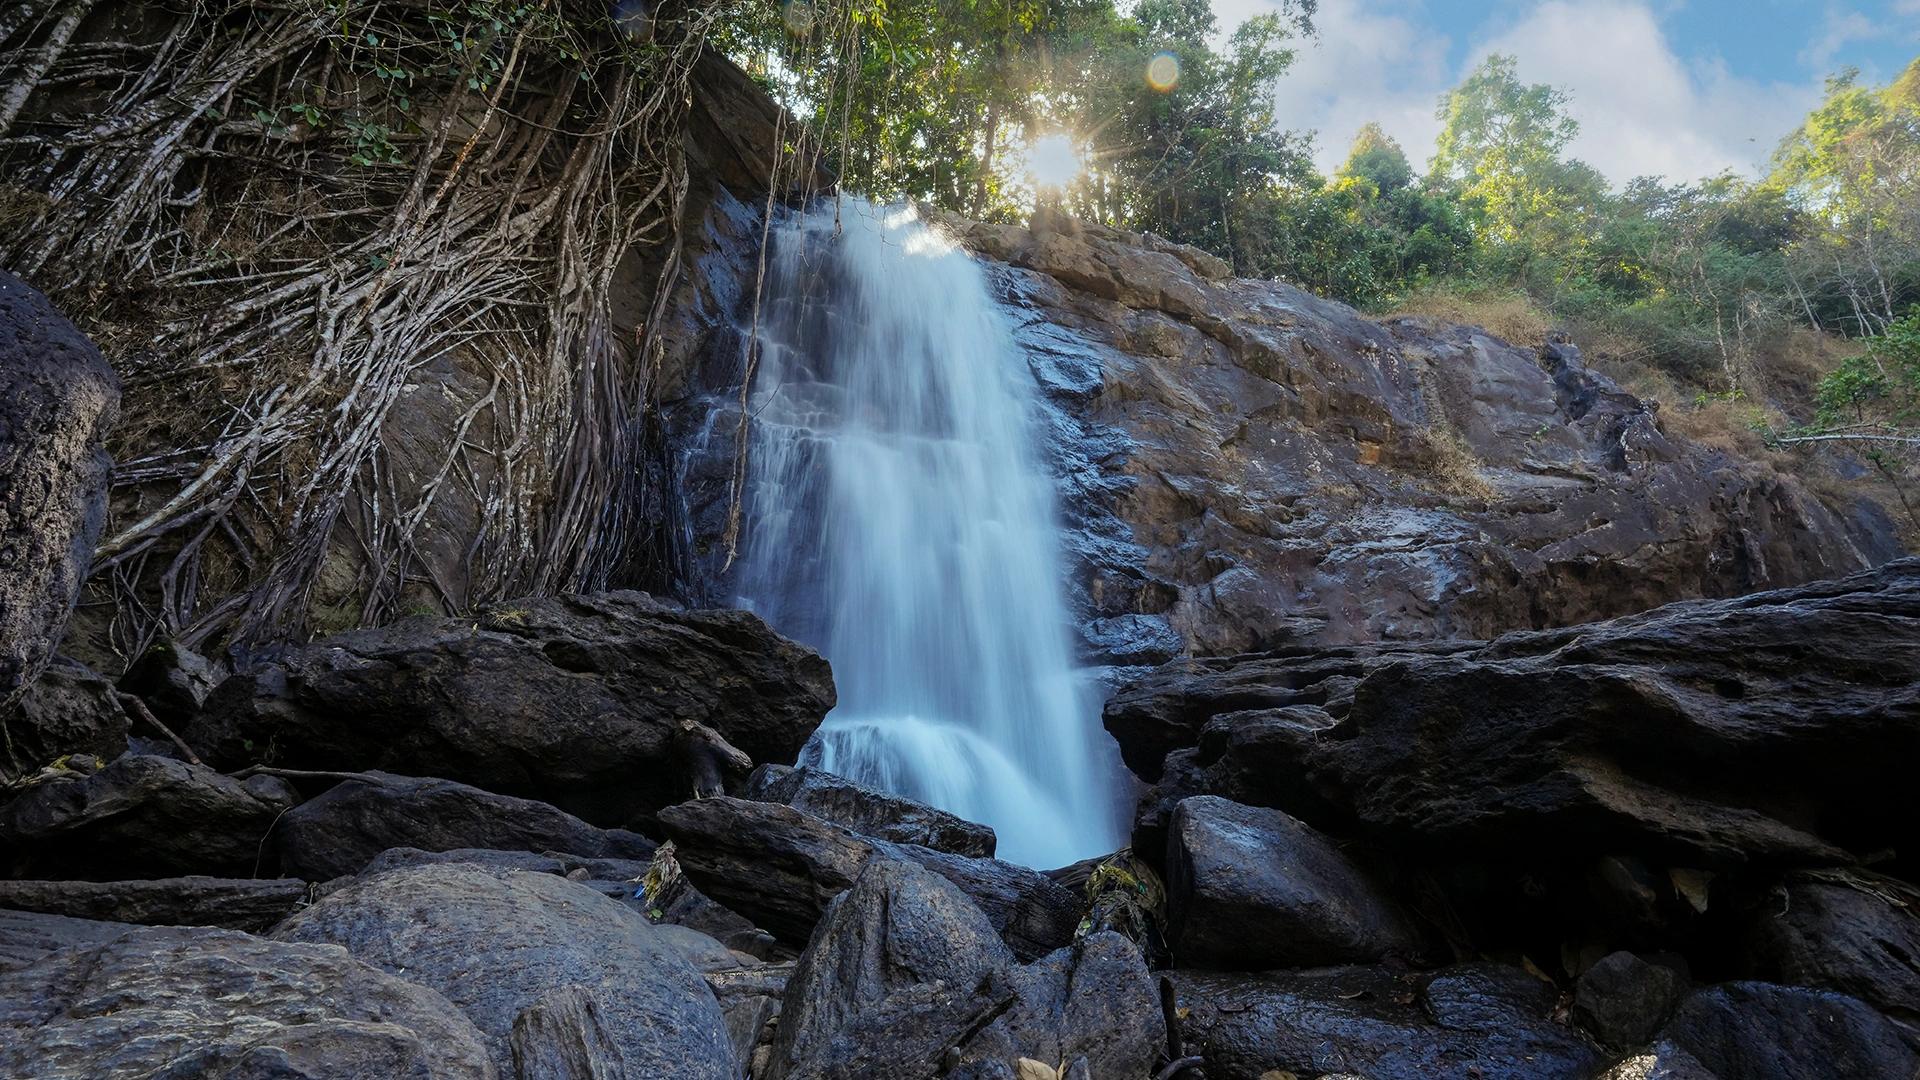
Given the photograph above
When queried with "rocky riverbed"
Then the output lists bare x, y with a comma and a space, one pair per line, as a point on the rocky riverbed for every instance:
567, 836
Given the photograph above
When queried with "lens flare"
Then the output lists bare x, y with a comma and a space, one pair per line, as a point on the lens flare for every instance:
1163, 71
1052, 162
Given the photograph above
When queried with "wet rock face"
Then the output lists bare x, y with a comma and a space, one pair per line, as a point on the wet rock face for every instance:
1252, 889
192, 1002
67, 710
1251, 466
1760, 1031
58, 399
232, 903
575, 700
1769, 729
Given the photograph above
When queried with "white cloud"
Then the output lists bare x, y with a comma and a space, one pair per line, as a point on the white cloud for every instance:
1841, 28
1643, 109
1367, 65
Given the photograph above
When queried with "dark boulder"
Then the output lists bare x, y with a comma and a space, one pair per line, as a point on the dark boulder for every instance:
1479, 1020
578, 701
67, 710
58, 399
1251, 889
196, 1002
780, 867
1849, 931
1760, 1031
877, 814
1622, 1000
141, 816
341, 830
544, 862
233, 903
526, 955
1772, 728
905, 978
173, 680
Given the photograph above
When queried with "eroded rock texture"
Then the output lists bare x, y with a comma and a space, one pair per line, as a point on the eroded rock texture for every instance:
58, 398
187, 1002
1774, 728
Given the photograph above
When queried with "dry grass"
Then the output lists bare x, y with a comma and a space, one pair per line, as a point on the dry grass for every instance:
1508, 314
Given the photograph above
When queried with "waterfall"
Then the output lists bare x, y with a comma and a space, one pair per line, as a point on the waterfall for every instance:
899, 519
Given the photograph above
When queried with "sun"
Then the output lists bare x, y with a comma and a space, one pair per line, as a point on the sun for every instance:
1053, 162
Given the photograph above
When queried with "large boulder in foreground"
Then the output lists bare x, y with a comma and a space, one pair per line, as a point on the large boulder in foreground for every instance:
343, 829
1478, 1020
577, 701
142, 816
539, 963
58, 398
1775, 728
906, 978
191, 1002
868, 811
1251, 889
781, 867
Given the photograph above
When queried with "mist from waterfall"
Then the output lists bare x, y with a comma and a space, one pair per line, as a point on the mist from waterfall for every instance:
898, 518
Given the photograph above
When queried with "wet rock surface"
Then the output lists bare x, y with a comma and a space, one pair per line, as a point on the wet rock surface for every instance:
68, 709
576, 701
869, 812
1761, 1031
342, 830
1857, 933
58, 398
547, 969
1251, 889
186, 1002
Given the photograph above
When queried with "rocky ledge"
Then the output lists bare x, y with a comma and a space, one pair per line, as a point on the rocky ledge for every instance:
1672, 844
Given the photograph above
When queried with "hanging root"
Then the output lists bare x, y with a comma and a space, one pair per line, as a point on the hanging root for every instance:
273, 215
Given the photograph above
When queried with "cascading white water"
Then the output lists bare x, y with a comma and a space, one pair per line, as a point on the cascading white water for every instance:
898, 519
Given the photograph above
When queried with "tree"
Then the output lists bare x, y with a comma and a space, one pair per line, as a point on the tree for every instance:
1377, 159
1500, 145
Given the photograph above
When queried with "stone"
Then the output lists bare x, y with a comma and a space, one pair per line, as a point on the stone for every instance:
1761, 1031
572, 700
173, 680
26, 936
869, 812
1763, 708
143, 815
197, 1002
1252, 889
341, 830
67, 710
58, 400
1850, 931
1622, 1000
527, 957
781, 867
905, 978
251, 904
1478, 1020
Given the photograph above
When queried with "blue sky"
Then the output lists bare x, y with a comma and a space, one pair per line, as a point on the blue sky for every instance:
1679, 88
